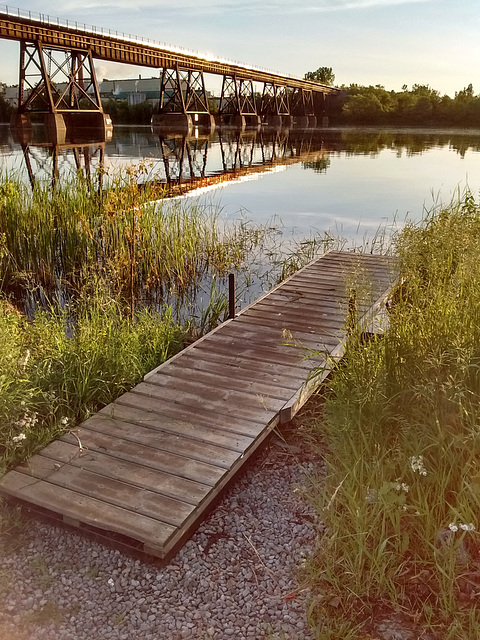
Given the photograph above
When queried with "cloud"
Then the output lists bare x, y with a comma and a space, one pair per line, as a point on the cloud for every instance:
77, 7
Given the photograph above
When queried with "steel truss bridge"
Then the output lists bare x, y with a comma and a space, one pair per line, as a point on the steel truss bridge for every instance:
57, 79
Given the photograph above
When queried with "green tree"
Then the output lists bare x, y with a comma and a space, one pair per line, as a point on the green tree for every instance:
324, 75
5, 110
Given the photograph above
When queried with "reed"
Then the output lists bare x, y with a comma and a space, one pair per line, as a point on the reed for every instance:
140, 244
401, 498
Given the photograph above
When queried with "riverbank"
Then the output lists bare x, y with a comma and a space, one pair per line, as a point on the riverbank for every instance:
401, 498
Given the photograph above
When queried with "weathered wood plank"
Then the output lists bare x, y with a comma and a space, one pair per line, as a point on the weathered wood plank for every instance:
150, 457
254, 407
222, 380
86, 510
66, 450
285, 354
238, 369
140, 425
112, 491
162, 440
184, 412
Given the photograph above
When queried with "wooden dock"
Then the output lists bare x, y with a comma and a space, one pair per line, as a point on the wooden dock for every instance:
148, 466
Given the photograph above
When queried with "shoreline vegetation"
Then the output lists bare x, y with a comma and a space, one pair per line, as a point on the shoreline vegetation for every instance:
87, 307
400, 435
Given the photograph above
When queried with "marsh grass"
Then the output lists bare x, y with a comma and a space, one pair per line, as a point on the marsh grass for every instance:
402, 494
142, 245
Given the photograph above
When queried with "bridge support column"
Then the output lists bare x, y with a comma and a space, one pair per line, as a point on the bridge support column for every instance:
237, 103
275, 106
181, 122
60, 84
183, 102
303, 110
55, 128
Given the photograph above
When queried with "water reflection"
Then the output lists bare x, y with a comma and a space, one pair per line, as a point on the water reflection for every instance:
181, 163
186, 163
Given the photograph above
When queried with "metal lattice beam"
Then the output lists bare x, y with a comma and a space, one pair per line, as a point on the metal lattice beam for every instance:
43, 70
183, 91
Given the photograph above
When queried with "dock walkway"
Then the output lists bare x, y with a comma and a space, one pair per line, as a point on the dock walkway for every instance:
148, 466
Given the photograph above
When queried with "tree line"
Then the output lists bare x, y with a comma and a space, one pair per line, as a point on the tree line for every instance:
420, 105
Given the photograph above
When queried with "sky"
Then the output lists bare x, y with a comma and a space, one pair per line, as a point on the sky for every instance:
387, 42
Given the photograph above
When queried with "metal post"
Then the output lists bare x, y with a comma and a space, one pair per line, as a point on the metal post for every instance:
231, 295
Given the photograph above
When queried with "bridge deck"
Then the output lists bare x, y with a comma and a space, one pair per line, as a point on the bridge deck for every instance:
149, 465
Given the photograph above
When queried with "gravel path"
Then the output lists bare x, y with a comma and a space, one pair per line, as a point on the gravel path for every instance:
235, 578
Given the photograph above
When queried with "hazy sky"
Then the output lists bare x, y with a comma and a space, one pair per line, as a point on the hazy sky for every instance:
388, 42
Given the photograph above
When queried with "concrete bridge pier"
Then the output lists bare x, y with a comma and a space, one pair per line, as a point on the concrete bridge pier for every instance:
55, 127
204, 121
233, 121
274, 121
180, 122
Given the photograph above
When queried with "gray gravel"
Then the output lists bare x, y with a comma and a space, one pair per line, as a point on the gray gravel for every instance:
235, 578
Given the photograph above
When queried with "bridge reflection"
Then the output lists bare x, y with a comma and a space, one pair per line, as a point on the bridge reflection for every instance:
182, 163
241, 154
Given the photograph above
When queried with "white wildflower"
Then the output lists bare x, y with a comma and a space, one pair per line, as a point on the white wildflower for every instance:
416, 463
453, 527
402, 486
467, 527
64, 421
19, 438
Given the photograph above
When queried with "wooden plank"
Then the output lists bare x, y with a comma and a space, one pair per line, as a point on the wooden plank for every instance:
309, 320
322, 304
63, 451
161, 440
254, 407
150, 457
140, 425
183, 412
112, 491
86, 510
239, 369
261, 329
223, 379
270, 334
284, 354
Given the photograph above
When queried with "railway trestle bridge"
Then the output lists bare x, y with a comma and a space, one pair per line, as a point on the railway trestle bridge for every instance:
57, 79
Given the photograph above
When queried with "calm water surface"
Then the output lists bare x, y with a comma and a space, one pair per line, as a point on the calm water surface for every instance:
347, 182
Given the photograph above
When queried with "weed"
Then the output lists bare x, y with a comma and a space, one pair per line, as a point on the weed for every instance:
92, 573
41, 571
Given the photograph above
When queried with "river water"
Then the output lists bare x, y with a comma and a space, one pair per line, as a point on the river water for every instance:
348, 182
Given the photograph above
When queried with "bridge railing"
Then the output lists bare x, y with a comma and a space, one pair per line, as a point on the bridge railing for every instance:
48, 20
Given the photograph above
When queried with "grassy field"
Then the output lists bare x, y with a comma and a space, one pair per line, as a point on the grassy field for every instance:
401, 437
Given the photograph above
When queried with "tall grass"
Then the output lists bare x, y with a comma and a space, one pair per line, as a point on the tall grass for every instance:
65, 364
139, 244
401, 501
